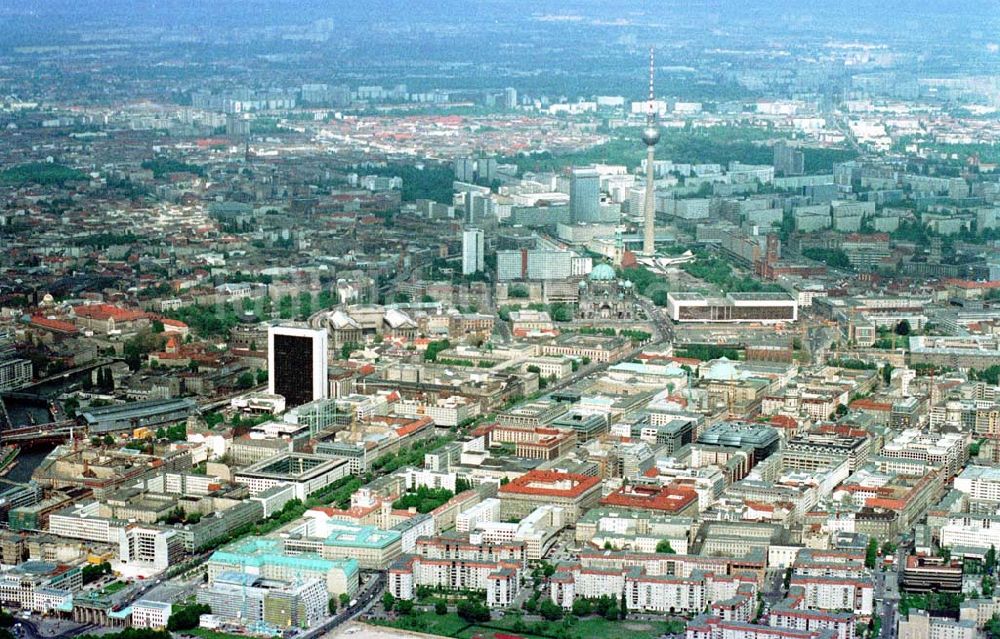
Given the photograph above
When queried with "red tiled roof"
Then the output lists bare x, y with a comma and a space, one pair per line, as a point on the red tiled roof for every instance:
670, 498
107, 311
546, 483
869, 404
413, 426
867, 237
971, 284
784, 421
57, 326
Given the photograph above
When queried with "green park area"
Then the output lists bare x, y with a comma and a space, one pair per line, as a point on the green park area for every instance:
571, 627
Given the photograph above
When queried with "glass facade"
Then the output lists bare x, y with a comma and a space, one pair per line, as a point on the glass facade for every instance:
293, 368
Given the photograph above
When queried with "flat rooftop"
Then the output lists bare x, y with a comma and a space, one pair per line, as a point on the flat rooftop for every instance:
293, 466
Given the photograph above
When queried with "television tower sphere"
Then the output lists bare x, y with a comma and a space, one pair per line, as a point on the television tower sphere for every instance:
650, 135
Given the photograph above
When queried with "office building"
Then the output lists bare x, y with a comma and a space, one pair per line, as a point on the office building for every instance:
510, 98
585, 195
266, 559
734, 307
947, 451
306, 473
920, 625
575, 493
815, 450
144, 551
536, 264
297, 364
932, 574
14, 373
971, 530
150, 614
788, 160
980, 484
473, 255
247, 598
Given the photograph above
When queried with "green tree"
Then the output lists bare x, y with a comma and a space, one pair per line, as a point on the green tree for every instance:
990, 561
561, 312
347, 349
664, 546
305, 305
344, 599
582, 607
404, 607
871, 553
440, 608
285, 307
472, 611
213, 419
517, 291
424, 499
993, 627
388, 601
139, 346
93, 572
903, 328
832, 257
435, 347
611, 613
187, 617
245, 380
887, 374
549, 610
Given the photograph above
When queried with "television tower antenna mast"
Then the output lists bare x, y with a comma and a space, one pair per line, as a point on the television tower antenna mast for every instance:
650, 136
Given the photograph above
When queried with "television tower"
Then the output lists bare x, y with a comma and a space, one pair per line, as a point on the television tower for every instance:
650, 136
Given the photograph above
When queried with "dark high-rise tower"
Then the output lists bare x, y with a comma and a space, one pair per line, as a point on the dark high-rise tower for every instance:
297, 364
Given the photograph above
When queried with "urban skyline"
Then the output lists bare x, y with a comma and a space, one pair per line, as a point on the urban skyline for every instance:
493, 319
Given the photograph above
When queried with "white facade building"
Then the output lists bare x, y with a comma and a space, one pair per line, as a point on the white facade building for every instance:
297, 364
150, 614
473, 251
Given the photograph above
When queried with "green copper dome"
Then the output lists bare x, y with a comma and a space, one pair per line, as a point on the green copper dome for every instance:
602, 273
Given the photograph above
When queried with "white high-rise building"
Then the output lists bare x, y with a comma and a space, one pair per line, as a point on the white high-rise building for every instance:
473, 258
510, 98
145, 551
297, 364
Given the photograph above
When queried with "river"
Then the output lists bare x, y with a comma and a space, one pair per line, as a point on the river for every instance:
25, 412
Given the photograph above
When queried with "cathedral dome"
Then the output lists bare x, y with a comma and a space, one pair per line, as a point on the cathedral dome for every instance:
602, 273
